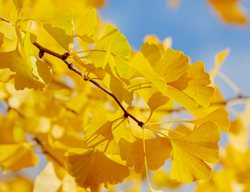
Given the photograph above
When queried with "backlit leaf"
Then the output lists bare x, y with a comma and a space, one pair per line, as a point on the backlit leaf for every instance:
191, 152
17, 156
86, 23
157, 151
142, 66
230, 11
112, 48
92, 168
30, 72
218, 61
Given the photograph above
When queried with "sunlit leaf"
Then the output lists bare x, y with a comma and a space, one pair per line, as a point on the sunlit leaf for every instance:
102, 139
92, 168
173, 65
86, 24
157, 151
230, 11
142, 66
17, 156
191, 152
218, 61
30, 72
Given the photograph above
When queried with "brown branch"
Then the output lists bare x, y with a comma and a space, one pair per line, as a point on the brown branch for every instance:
64, 57
222, 103
6, 21
46, 152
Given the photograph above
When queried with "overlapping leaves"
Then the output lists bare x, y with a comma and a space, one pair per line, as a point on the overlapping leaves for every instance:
83, 133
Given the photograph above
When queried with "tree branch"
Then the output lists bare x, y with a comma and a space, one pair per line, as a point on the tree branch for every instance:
64, 57
221, 103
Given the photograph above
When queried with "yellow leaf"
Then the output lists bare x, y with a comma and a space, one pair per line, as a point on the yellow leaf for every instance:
218, 115
157, 100
229, 10
8, 37
96, 3
61, 29
117, 88
173, 3
191, 152
47, 180
17, 156
86, 23
239, 135
198, 87
181, 98
112, 48
218, 61
16, 184
10, 129
92, 168
30, 72
161, 179
151, 52
172, 66
102, 139
1, 39
157, 151
5, 75
142, 66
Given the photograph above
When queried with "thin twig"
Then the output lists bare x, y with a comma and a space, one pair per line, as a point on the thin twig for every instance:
221, 103
64, 57
49, 154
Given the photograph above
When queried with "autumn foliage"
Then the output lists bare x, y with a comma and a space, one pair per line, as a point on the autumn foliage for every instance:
97, 114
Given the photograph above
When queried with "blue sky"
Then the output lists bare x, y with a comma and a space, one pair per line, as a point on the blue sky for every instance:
195, 30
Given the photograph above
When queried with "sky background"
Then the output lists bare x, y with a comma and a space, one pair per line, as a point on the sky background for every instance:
195, 29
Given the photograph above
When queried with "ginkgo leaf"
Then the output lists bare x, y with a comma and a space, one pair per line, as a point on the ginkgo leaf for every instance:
61, 29
181, 98
151, 52
1, 39
222, 180
239, 136
16, 184
173, 65
191, 152
161, 179
8, 37
92, 168
192, 89
5, 75
47, 180
17, 156
85, 25
218, 115
116, 86
218, 61
157, 100
157, 151
230, 11
96, 3
112, 48
102, 139
30, 72
142, 66
11, 131
198, 87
